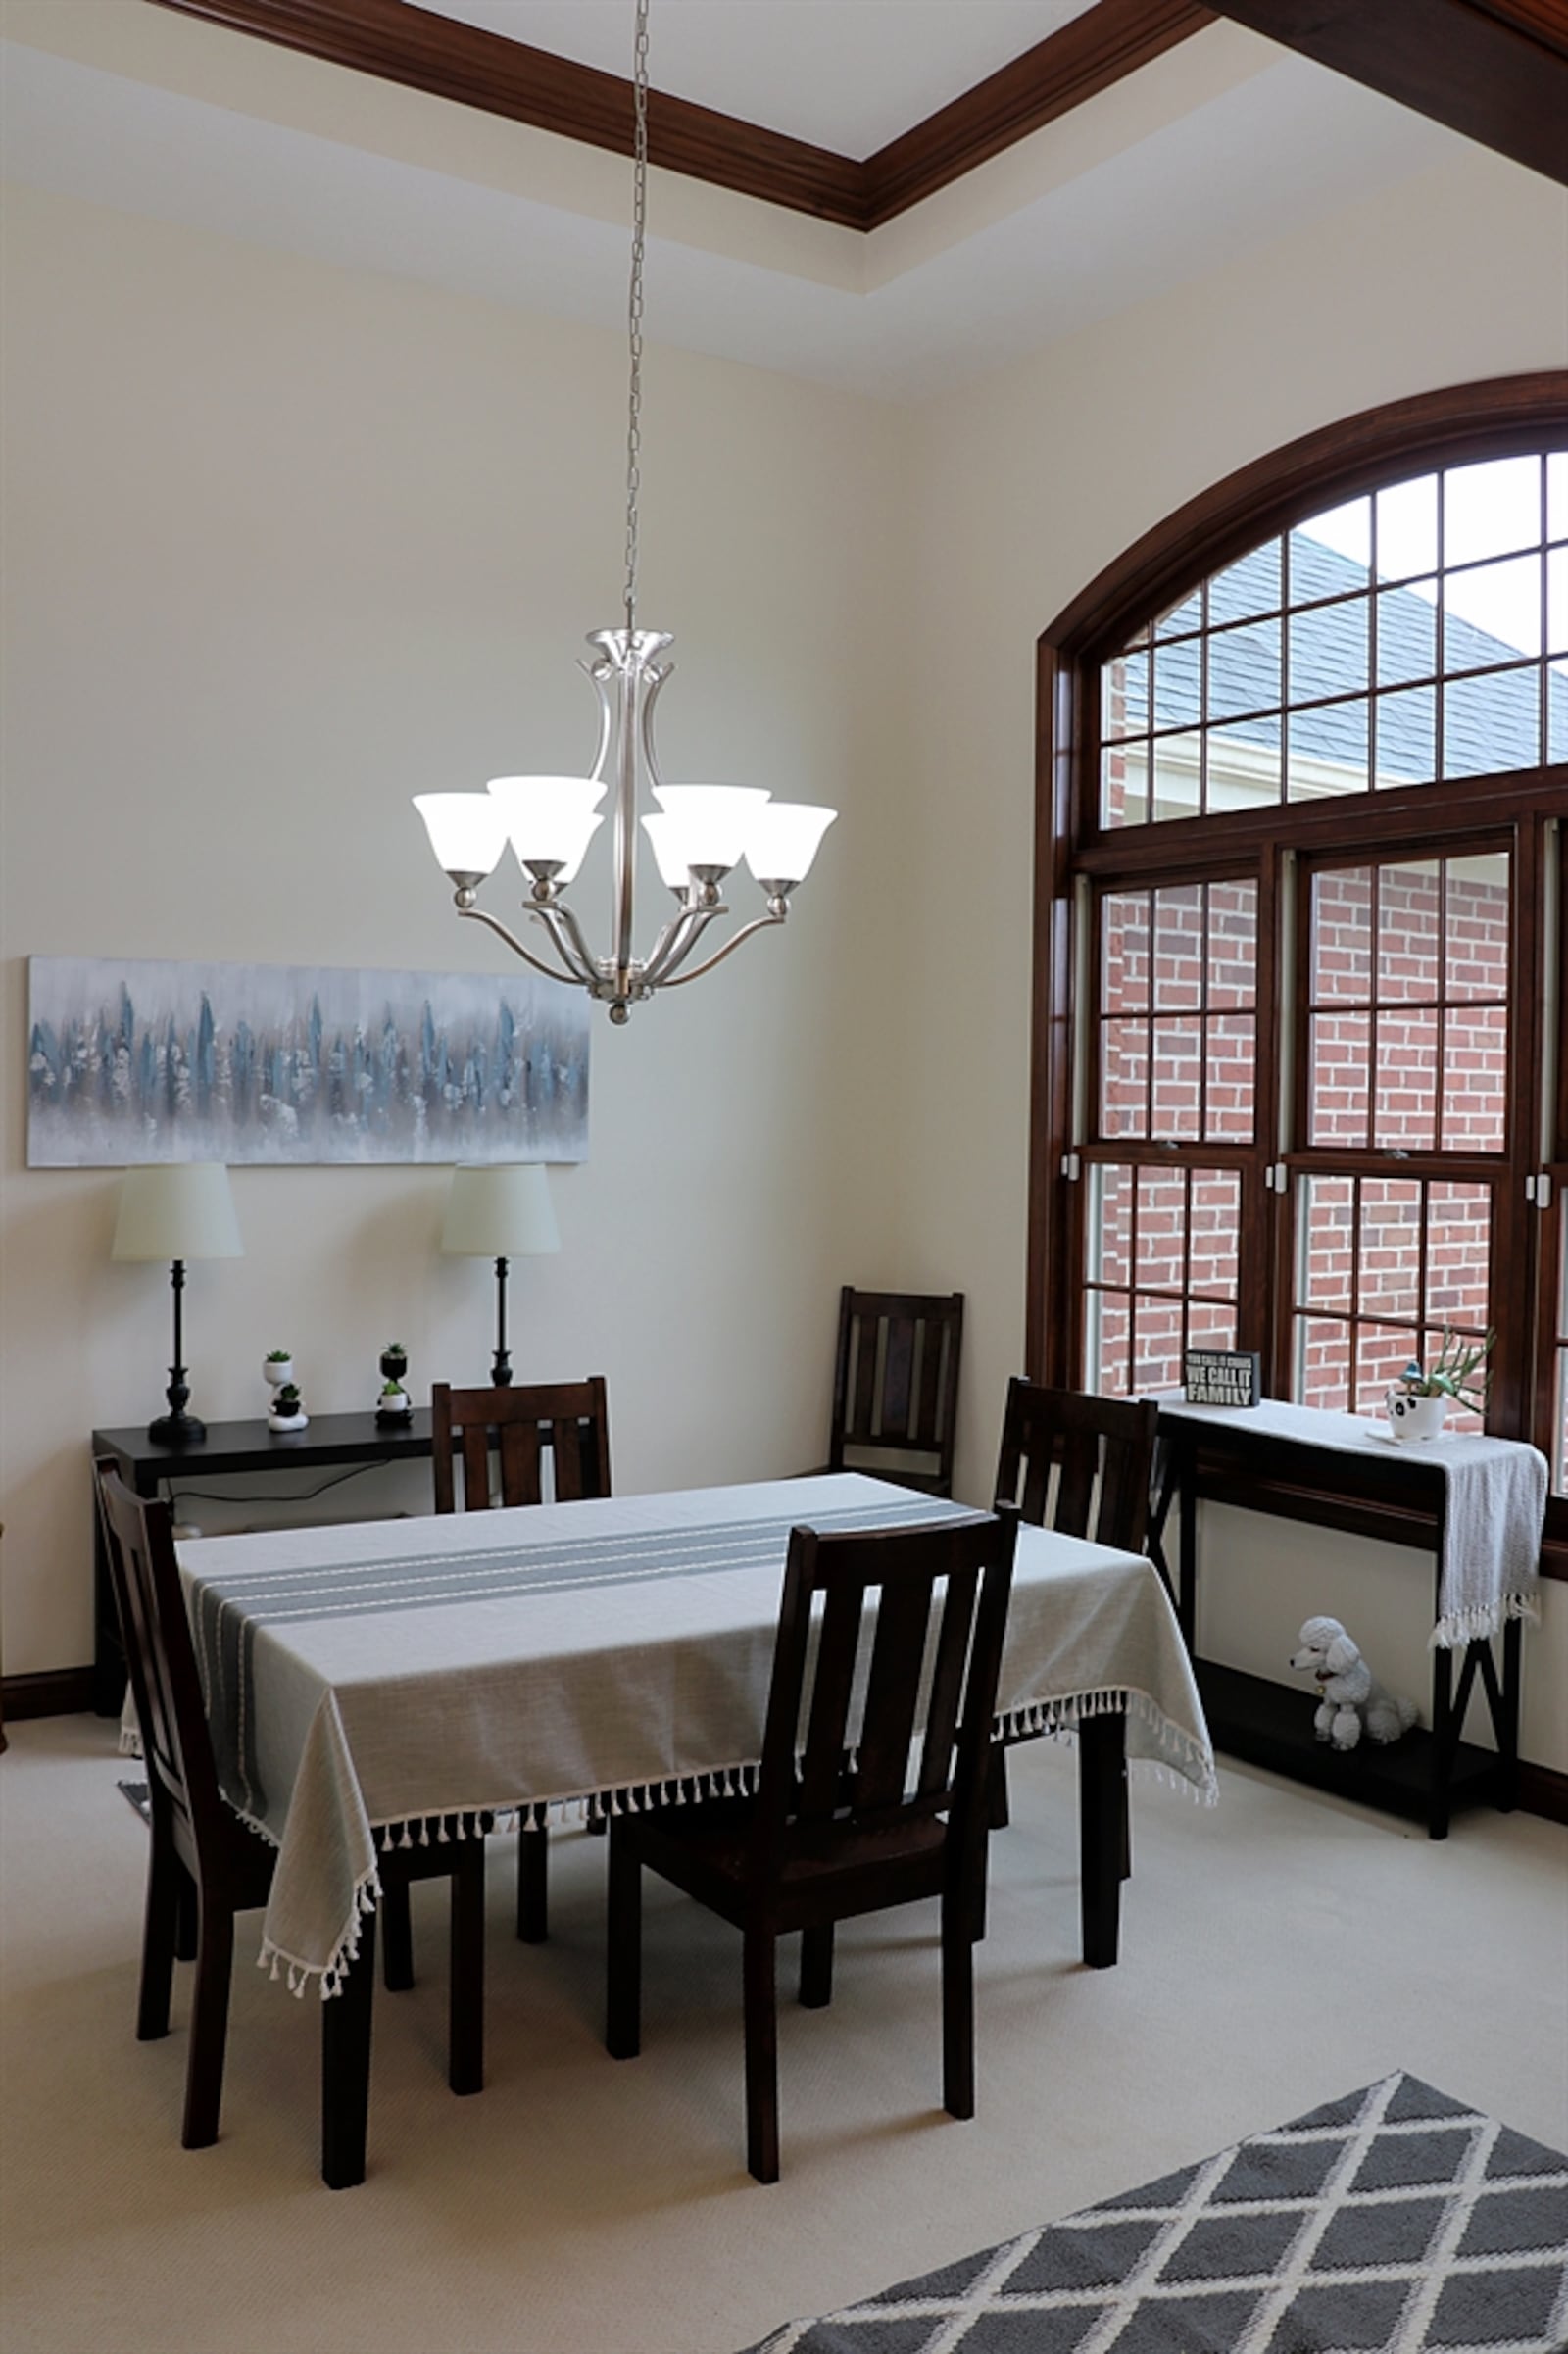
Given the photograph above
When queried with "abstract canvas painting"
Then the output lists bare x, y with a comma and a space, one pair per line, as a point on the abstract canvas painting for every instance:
134, 1061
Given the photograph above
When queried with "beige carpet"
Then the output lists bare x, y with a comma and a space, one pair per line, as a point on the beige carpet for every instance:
1277, 1951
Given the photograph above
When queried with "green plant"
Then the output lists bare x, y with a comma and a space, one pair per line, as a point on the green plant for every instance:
394, 1349
279, 1356
1458, 1371
287, 1399
391, 1388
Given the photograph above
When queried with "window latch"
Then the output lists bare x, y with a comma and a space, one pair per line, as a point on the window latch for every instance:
1069, 1168
1538, 1189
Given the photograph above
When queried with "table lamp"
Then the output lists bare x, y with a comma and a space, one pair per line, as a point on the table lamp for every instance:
500, 1212
178, 1211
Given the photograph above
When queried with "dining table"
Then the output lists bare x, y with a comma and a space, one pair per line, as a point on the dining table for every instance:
439, 1677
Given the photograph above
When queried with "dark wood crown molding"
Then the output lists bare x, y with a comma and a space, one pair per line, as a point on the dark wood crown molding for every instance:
1495, 69
453, 59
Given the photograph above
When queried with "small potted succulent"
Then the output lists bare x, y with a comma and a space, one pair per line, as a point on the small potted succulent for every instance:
394, 1406
288, 1409
278, 1366
1418, 1403
394, 1362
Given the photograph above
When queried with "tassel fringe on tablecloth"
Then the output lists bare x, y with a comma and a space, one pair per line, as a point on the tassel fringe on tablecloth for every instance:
1186, 1766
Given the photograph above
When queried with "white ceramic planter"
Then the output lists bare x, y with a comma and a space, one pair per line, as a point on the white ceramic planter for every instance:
287, 1422
278, 1370
1412, 1417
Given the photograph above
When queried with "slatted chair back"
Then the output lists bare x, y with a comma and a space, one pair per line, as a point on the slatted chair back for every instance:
570, 1419
939, 1603
895, 1383
161, 1657
1101, 1452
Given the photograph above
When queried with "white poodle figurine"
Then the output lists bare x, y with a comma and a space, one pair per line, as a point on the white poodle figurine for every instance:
1352, 1694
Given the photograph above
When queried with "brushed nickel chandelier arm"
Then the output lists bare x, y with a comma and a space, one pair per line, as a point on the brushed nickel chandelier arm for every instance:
495, 924
777, 913
699, 834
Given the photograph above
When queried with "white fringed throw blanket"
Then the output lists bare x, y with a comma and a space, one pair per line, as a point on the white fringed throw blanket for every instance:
1496, 1505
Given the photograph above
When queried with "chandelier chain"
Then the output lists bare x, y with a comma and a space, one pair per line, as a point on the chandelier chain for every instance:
634, 307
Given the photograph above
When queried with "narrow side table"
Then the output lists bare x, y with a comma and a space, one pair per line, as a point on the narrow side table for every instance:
249, 1446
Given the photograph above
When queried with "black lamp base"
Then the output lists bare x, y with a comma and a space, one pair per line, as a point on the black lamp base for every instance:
177, 1430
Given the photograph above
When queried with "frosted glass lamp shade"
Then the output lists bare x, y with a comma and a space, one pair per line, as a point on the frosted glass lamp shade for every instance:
549, 817
784, 839
499, 1211
668, 840
177, 1210
712, 822
468, 831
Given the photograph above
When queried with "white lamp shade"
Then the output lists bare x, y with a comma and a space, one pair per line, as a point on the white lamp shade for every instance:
784, 839
549, 817
712, 822
500, 1211
468, 831
177, 1210
669, 839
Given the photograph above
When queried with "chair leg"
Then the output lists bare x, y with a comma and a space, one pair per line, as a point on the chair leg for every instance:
997, 1791
624, 1961
346, 2067
397, 1933
208, 2026
1126, 1822
533, 1886
160, 1940
1102, 1761
465, 2030
957, 2007
185, 1916
762, 2053
816, 1967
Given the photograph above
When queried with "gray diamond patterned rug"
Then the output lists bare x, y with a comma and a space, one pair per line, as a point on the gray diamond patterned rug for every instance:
1394, 2221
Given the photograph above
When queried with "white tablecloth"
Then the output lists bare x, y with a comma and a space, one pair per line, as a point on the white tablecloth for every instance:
1495, 1504
372, 1674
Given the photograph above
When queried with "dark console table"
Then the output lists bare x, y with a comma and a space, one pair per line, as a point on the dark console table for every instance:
249, 1446
1395, 1496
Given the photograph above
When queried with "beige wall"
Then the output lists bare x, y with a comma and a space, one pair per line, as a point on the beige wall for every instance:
286, 545
1026, 485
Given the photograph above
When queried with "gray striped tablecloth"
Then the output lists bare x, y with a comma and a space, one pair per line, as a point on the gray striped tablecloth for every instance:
375, 1672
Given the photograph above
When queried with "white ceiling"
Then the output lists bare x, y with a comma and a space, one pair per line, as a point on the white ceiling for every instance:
850, 75
1222, 145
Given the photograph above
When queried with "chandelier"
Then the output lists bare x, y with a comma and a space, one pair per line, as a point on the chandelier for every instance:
698, 833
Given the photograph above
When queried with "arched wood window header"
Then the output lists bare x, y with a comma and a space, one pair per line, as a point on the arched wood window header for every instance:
1457, 426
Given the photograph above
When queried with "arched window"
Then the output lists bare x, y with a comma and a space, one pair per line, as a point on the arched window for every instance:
1300, 1078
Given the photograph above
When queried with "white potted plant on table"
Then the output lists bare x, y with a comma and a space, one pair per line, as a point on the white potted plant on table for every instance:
1418, 1403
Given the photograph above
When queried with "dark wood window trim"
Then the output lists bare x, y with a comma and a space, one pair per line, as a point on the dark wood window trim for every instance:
1456, 426
454, 59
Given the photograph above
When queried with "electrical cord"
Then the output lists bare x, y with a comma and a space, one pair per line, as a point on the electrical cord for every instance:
306, 1495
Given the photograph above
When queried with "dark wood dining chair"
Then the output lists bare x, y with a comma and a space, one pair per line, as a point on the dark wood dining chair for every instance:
206, 1866
571, 1422
1083, 1465
874, 1815
896, 1385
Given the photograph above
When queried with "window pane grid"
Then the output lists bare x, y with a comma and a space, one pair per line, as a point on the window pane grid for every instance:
1407, 1006
1163, 1272
1386, 1269
1406, 636
1177, 1015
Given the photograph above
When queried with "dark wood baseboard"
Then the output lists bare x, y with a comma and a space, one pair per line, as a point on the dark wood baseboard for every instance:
57, 1691
1543, 1791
